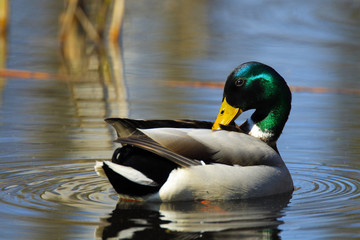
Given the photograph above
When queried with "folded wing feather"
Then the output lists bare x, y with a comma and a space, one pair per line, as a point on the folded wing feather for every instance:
190, 142
232, 148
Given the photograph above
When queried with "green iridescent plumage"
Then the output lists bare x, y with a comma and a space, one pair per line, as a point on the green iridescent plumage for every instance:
264, 90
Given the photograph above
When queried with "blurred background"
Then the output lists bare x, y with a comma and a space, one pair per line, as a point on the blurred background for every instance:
67, 65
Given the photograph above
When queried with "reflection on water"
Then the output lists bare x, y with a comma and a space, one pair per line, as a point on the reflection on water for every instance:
256, 218
52, 130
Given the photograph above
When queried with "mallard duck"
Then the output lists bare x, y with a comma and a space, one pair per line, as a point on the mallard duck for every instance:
177, 160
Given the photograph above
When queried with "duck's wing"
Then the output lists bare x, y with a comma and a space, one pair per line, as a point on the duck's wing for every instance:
232, 148
194, 145
131, 131
144, 142
125, 127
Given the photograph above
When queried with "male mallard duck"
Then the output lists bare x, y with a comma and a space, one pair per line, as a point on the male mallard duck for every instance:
175, 160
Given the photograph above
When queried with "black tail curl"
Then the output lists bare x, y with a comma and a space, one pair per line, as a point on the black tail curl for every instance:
150, 164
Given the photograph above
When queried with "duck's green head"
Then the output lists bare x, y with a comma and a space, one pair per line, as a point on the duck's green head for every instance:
254, 85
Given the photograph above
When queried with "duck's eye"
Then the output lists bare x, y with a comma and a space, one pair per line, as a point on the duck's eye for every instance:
239, 82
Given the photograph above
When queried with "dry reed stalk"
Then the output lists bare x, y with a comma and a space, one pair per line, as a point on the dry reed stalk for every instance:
4, 14
116, 19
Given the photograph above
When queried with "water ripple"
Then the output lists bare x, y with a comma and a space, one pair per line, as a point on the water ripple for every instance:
319, 190
73, 186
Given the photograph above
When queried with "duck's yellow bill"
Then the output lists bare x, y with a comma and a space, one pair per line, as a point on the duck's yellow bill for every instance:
226, 115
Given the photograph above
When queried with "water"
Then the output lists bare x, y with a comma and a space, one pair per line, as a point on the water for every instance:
52, 130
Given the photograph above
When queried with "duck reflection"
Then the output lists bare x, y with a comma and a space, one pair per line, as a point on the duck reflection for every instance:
245, 219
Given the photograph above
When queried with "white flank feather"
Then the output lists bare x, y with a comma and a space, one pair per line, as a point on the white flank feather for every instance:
224, 182
127, 172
